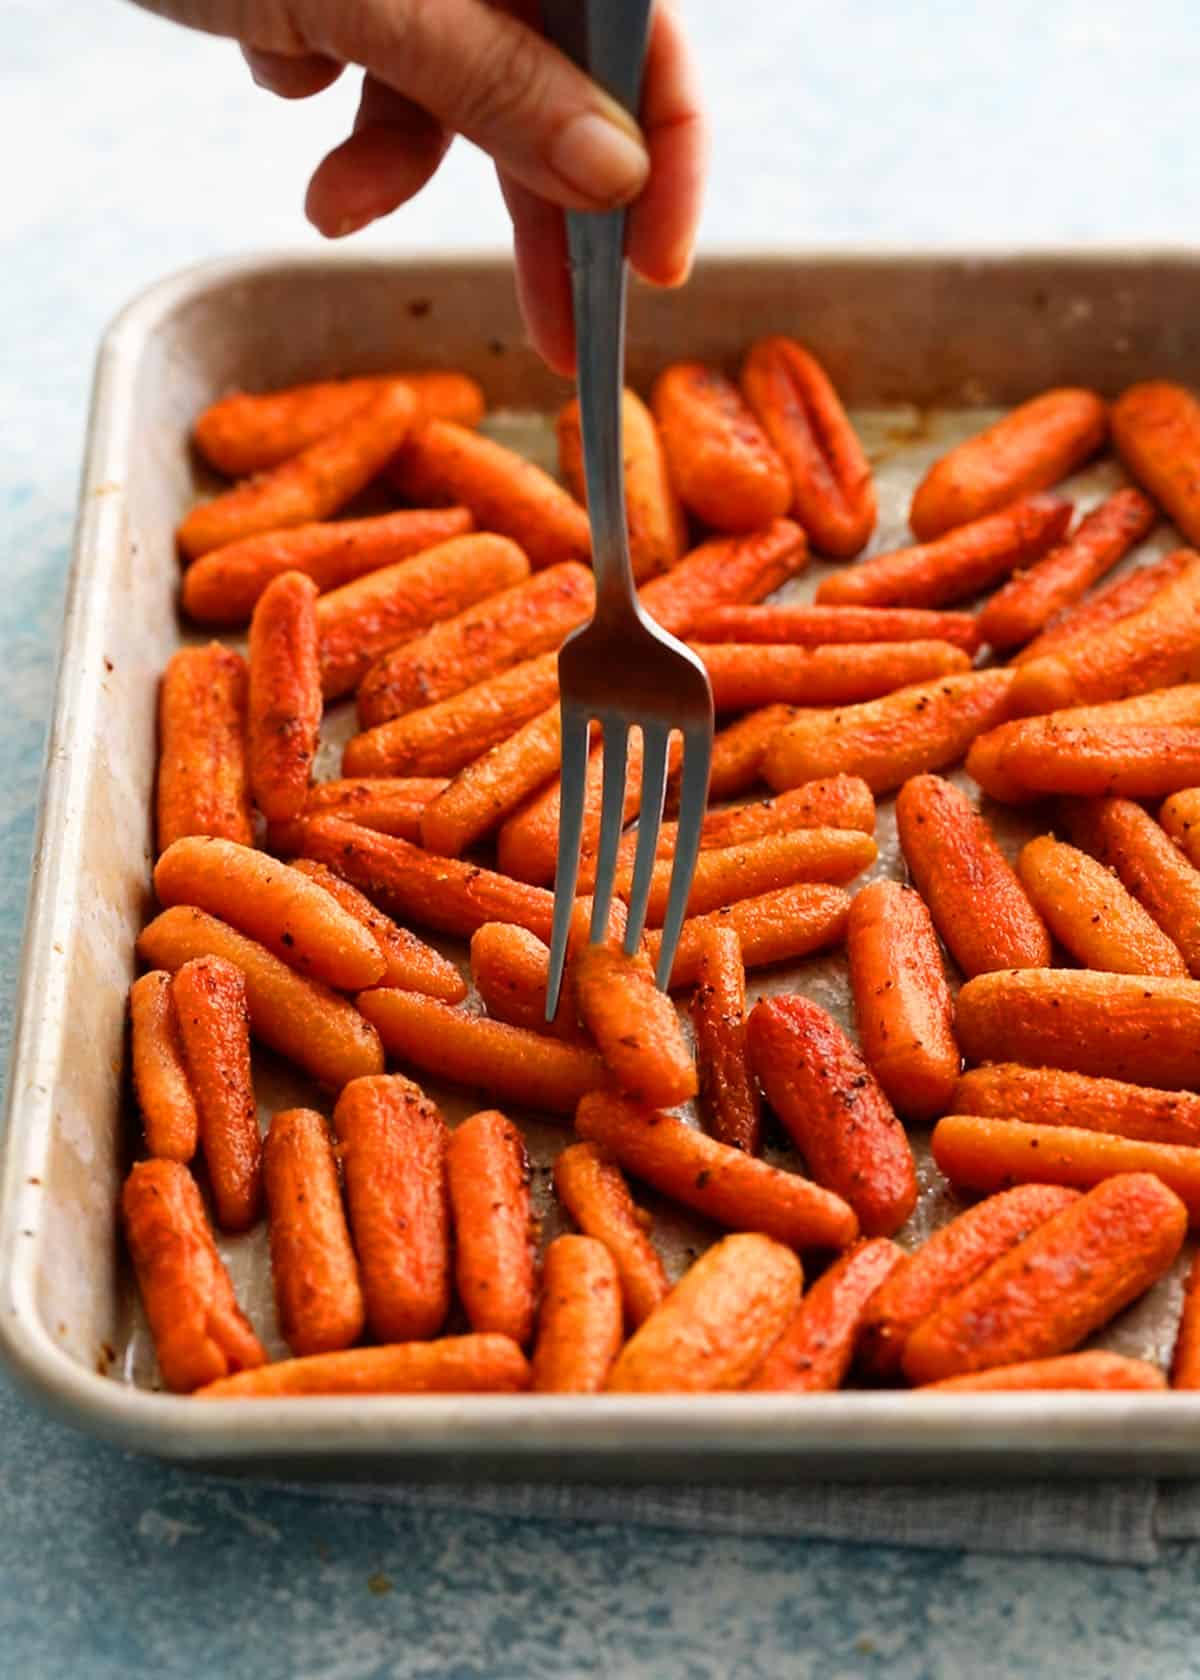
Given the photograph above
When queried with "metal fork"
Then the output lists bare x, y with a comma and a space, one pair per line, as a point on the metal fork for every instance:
620, 670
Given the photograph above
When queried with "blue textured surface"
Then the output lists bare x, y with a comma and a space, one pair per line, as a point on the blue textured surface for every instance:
1060, 121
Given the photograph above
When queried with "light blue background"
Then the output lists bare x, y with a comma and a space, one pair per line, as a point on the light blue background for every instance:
130, 149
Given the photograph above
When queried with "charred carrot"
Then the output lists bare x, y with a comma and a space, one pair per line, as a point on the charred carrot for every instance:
299, 1018
726, 873
388, 804
392, 1141
592, 1188
727, 1086
1185, 1359
483, 793
510, 968
317, 1293
723, 467
527, 844
202, 784
636, 1029
808, 626
200, 1333
494, 1231
1125, 837
814, 1352
778, 926
657, 526
1069, 1276
743, 675
1106, 1372
1050, 1097
453, 1365
1180, 817
284, 711
726, 571
1089, 912
409, 962
1156, 432
1125, 595
579, 1325
209, 994
160, 1075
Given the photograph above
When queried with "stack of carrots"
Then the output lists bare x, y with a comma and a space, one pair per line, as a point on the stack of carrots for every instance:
287, 905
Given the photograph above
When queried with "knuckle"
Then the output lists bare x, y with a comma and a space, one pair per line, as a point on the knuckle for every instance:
506, 83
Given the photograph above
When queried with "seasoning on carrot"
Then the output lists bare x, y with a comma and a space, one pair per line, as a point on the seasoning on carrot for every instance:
408, 962
1180, 817
579, 1324
527, 844
209, 994
388, 804
739, 750
317, 1293
160, 1076
725, 571
774, 861
749, 674
202, 783
483, 793
721, 463
1125, 837
727, 1086
814, 1353
284, 711
494, 1231
1156, 432
657, 526
776, 927
453, 1365
1051, 1097
636, 1029
1185, 1359
795, 625
1104, 1372
1089, 912
510, 968
1125, 595
592, 1188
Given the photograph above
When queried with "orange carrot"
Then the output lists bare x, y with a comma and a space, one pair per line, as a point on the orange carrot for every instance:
777, 927
719, 1017
160, 1076
723, 1184
527, 844
721, 463
814, 1352
454, 1365
748, 674
657, 527
317, 1293
309, 486
1050, 1097
593, 1190
392, 1141
209, 994
1156, 432
807, 626
510, 968
494, 1230
1069, 1276
833, 1109
714, 1327
202, 785
636, 1029
284, 711
483, 793
1185, 1359
1107, 1372
975, 898
725, 571
1124, 595
441, 462
795, 402
1180, 817
200, 1333
579, 1326
739, 750
1125, 837
301, 1019
409, 962
388, 804
1088, 910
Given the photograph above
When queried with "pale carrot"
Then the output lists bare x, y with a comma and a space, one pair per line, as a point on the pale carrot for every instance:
815, 1351
209, 994
727, 1086
284, 709
317, 1293
721, 462
726, 873
160, 1076
1125, 837
409, 962
1099, 1371
1156, 432
636, 1029
1050, 1097
579, 1323
202, 781
494, 1231
485, 792
1089, 912
744, 675
811, 626
454, 1365
657, 526
592, 1188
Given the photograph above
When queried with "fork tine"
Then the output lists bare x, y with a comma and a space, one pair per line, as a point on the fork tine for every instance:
655, 739
612, 819
693, 793
570, 830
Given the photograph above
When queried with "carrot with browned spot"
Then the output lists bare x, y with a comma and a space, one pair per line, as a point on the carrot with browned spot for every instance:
285, 704
160, 1075
726, 873
727, 1086
453, 1365
635, 1026
775, 927
723, 467
1125, 595
814, 1353
317, 1293
1124, 836
592, 1188
202, 779
209, 994
744, 675
494, 1230
408, 962
810, 626
726, 571
1050, 1097
1103, 1372
388, 804
657, 526
1156, 432
1185, 1358
579, 1324
1088, 911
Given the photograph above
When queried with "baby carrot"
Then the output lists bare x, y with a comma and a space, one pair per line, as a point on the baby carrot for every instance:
209, 994
409, 962
510, 968
774, 928
743, 675
809, 626
1125, 595
1156, 432
814, 1353
721, 463
505, 1062
202, 787
833, 1109
392, 1142
317, 1293
1125, 837
1088, 910
453, 1365
839, 802
299, 1018
494, 1231
714, 1327
483, 793
796, 405
1106, 1372
725, 571
1180, 817
901, 999
657, 526
724, 1184
740, 748
726, 873
593, 1190
444, 463
200, 1333
284, 711
923, 727
309, 486
1033, 447
527, 844
1046, 1295
1185, 1360
727, 1086
976, 900
160, 1076
388, 804
946, 1263
579, 1325
1050, 1097
954, 567
636, 1029
224, 586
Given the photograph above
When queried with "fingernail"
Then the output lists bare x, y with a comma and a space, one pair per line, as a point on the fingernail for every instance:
599, 159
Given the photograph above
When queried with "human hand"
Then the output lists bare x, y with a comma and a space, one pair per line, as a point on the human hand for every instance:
437, 68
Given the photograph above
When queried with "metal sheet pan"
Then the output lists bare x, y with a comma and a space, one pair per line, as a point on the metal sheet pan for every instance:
922, 346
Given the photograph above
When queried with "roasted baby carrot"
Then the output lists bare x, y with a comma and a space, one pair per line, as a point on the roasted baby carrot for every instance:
1156, 432
309, 486
834, 1110
946, 1263
1089, 912
483, 793
366, 618
1185, 1359
1050, 1097
510, 968
1125, 837
795, 402
963, 563
977, 902
748, 674
444, 463
727, 1086
388, 804
317, 1293
506, 1063
284, 711
592, 1188
739, 750
527, 844
202, 784
723, 467
1124, 595
1104, 1372
408, 962
517, 624
209, 994
1180, 817
200, 1333
453, 1365
579, 1323
636, 1029
714, 1327
273, 904
774, 928
726, 873
814, 1352
1028, 602
1069, 1276
724, 1184
901, 1000
924, 727
392, 1141
657, 526
494, 1231
224, 586
160, 1075
726, 571
299, 1018
808, 626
